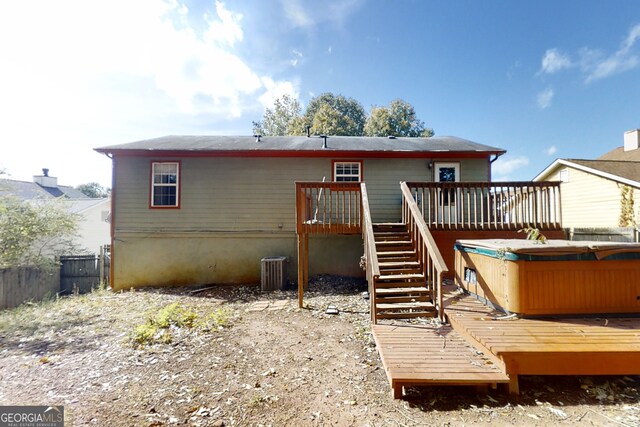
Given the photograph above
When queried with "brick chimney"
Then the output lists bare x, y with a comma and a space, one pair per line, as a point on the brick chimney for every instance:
632, 140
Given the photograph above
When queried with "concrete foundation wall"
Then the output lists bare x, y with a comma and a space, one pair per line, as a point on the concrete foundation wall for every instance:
166, 259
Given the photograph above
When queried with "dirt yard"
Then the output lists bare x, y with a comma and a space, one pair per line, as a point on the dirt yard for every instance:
233, 356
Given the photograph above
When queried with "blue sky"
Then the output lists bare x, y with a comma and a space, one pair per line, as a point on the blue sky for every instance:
543, 79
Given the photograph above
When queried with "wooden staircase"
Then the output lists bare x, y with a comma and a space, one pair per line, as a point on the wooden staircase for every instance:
401, 291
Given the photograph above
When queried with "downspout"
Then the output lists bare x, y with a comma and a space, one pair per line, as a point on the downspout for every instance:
112, 216
497, 155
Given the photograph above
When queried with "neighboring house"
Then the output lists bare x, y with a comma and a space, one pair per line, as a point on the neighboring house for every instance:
207, 209
594, 192
93, 228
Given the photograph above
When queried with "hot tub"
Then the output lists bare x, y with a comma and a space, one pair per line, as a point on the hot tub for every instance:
558, 277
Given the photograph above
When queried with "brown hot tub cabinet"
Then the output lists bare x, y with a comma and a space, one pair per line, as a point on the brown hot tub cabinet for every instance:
558, 277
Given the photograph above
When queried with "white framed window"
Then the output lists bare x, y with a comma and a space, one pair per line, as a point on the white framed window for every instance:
447, 172
165, 185
350, 171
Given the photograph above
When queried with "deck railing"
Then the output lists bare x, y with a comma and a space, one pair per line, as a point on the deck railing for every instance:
488, 205
328, 207
431, 261
370, 253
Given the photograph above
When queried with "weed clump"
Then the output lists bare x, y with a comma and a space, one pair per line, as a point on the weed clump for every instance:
159, 326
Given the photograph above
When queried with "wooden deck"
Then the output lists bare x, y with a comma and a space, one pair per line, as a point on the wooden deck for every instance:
550, 346
422, 355
504, 348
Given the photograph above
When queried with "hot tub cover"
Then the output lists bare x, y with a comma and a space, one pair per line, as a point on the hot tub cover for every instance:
550, 248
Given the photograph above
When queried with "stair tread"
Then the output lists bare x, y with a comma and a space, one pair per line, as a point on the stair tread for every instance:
404, 305
403, 290
398, 263
401, 276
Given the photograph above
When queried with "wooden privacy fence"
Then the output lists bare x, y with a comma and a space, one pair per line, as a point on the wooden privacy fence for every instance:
488, 205
82, 273
328, 207
22, 284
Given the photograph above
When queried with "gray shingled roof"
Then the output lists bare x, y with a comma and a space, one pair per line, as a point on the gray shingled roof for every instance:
620, 154
27, 190
624, 169
303, 144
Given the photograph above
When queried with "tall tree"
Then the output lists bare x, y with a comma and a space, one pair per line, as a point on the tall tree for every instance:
32, 233
397, 119
331, 114
93, 190
281, 119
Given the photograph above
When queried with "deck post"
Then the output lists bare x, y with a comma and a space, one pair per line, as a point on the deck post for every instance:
513, 387
396, 391
303, 266
300, 271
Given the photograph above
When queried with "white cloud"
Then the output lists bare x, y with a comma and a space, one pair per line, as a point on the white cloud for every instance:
77, 75
308, 14
296, 13
551, 150
594, 63
506, 165
297, 57
554, 61
275, 90
225, 27
623, 59
544, 98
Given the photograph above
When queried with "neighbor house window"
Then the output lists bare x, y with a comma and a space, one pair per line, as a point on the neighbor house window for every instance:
165, 184
347, 171
564, 175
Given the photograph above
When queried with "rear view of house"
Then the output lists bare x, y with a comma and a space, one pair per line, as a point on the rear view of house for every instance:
207, 209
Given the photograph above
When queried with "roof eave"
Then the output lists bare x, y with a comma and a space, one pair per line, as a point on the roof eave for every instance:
301, 153
587, 169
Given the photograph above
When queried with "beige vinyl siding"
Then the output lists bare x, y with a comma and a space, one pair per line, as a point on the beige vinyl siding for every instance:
589, 200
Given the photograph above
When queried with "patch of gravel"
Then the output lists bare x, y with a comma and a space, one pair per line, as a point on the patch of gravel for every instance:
281, 367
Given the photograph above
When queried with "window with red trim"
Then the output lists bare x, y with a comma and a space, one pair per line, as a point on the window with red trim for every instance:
165, 184
347, 171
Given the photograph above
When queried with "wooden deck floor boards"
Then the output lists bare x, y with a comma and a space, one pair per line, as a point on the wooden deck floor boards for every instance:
414, 355
550, 346
477, 348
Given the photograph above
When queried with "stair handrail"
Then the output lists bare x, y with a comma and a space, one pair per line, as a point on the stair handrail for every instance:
371, 256
428, 253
